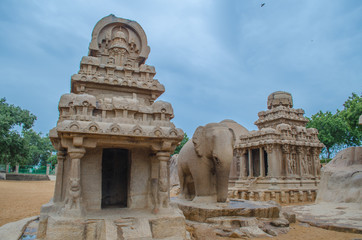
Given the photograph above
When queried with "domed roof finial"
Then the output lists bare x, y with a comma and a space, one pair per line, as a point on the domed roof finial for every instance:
280, 98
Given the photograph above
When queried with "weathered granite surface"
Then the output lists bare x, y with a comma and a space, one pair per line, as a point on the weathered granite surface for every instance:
200, 212
339, 199
341, 179
14, 230
342, 217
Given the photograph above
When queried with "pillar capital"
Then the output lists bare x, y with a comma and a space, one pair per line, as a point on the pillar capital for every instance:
269, 148
61, 153
163, 156
286, 148
76, 153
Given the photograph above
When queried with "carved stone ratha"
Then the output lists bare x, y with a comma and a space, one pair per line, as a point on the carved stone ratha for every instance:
114, 141
280, 161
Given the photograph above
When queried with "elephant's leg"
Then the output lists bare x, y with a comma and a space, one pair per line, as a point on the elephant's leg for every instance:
204, 185
181, 176
190, 186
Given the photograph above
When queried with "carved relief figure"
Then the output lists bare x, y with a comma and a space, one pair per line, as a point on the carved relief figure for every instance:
293, 162
303, 161
204, 163
73, 199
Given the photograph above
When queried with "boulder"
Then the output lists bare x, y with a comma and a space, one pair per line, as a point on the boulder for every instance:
280, 222
341, 178
289, 216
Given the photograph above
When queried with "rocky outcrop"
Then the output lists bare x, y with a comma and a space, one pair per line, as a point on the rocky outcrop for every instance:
341, 179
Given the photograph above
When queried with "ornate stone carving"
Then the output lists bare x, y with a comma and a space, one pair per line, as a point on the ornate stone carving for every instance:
74, 194
116, 139
269, 149
291, 149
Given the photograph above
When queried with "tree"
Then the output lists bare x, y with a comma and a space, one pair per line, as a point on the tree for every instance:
179, 147
12, 144
39, 148
350, 114
332, 130
52, 159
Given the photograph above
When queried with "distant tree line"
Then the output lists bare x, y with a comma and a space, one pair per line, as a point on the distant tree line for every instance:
341, 129
19, 143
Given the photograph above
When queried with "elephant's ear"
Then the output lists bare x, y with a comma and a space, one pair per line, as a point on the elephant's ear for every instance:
232, 134
199, 141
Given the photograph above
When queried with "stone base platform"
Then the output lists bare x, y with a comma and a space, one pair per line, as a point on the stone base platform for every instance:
108, 224
200, 212
341, 217
289, 190
234, 219
278, 195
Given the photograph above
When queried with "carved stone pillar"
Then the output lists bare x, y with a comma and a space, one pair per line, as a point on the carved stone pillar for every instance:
287, 161
154, 184
58, 190
269, 151
262, 163
163, 184
73, 200
303, 166
317, 164
299, 160
293, 160
309, 160
250, 153
243, 159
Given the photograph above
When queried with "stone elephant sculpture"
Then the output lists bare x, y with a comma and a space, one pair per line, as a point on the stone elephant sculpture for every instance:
204, 163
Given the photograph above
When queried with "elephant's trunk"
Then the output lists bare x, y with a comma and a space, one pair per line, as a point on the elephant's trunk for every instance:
222, 176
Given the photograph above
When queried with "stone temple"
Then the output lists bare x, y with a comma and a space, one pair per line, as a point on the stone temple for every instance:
280, 161
114, 142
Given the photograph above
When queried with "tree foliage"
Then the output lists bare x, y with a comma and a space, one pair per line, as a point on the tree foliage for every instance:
179, 147
339, 130
12, 144
350, 114
19, 143
39, 148
52, 159
332, 130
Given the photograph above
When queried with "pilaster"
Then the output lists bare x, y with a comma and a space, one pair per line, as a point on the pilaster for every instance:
59, 177
250, 156
74, 193
243, 160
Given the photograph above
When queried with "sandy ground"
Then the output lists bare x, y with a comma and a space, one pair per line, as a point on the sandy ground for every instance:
21, 199
299, 232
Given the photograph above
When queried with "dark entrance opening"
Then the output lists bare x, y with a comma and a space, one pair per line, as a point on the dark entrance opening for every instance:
115, 163
266, 163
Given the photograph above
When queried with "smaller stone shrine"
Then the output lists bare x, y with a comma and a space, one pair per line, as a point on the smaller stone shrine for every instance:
114, 143
280, 161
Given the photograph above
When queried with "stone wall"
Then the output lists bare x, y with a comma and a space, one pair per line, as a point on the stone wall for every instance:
26, 177
91, 175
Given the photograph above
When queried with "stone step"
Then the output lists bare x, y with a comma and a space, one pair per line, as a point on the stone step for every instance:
233, 221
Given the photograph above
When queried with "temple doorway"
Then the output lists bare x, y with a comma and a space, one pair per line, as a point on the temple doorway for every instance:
115, 175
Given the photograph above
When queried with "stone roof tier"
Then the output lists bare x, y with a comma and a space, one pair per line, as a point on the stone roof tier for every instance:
114, 92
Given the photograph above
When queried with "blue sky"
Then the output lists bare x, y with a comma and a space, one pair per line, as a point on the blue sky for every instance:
217, 59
